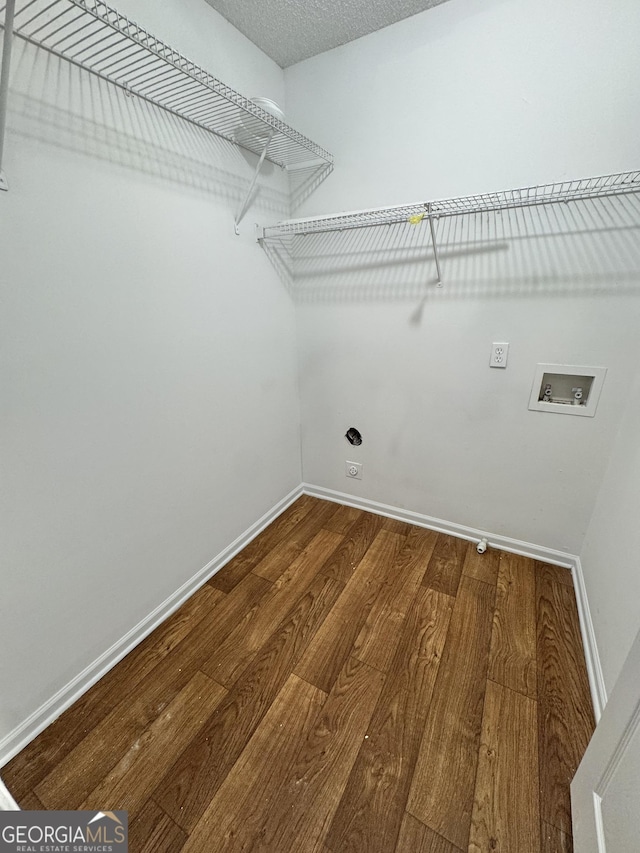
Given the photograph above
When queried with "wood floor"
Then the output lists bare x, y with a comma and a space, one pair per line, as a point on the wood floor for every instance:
347, 683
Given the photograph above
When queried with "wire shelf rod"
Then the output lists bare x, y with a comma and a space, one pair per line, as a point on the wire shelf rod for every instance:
66, 36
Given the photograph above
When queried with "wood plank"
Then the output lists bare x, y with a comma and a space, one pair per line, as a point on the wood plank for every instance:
555, 841
512, 658
77, 774
165, 638
161, 642
280, 558
378, 638
302, 808
558, 573
506, 809
41, 756
30, 803
371, 810
343, 519
347, 557
394, 525
153, 831
248, 791
415, 837
442, 791
73, 778
445, 566
244, 599
565, 715
189, 786
273, 563
482, 567
233, 656
558, 760
334, 642
129, 784
279, 530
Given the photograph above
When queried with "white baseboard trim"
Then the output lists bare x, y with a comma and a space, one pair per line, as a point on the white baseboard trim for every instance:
503, 543
24, 733
594, 668
7, 803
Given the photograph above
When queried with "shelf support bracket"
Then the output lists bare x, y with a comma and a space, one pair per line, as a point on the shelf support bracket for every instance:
432, 228
247, 199
4, 80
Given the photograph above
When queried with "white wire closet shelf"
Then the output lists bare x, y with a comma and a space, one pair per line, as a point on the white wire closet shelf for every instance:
290, 235
94, 36
622, 183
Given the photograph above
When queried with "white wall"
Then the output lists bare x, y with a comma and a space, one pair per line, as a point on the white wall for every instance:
149, 403
468, 97
610, 554
473, 96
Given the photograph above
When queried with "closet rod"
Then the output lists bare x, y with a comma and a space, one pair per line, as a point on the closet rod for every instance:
7, 41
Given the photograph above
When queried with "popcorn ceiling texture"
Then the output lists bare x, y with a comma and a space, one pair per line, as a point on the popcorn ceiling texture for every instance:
291, 30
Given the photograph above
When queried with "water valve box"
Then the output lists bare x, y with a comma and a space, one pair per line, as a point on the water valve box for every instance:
567, 389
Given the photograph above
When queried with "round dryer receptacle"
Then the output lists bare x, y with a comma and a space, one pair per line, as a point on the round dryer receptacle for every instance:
353, 436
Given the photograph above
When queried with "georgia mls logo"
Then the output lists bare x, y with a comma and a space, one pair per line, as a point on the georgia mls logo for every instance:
63, 832
102, 830
112, 815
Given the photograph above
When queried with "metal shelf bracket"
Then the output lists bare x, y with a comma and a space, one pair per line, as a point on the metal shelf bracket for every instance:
249, 196
7, 42
432, 228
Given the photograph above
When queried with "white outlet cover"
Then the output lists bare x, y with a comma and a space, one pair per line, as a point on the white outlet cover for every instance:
499, 354
353, 470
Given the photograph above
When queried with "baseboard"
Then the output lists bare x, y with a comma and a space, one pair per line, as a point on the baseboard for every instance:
17, 739
7, 803
503, 543
594, 668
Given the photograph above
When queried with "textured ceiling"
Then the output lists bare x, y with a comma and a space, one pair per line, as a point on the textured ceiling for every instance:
291, 30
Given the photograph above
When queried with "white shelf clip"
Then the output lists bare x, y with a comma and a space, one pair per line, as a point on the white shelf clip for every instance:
4, 80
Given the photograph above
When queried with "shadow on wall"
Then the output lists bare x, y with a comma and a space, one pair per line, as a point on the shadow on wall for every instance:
304, 181
568, 248
57, 103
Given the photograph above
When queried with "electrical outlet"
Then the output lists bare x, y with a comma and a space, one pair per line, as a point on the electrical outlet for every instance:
499, 353
353, 470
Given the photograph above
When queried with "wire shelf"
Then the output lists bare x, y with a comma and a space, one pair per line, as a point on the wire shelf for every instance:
622, 183
94, 36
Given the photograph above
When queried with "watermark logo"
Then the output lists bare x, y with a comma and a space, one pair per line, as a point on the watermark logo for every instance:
63, 832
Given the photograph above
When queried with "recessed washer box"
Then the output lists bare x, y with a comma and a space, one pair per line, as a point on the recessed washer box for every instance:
567, 389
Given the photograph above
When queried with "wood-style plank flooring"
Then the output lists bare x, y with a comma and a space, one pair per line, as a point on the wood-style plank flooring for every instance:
346, 684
